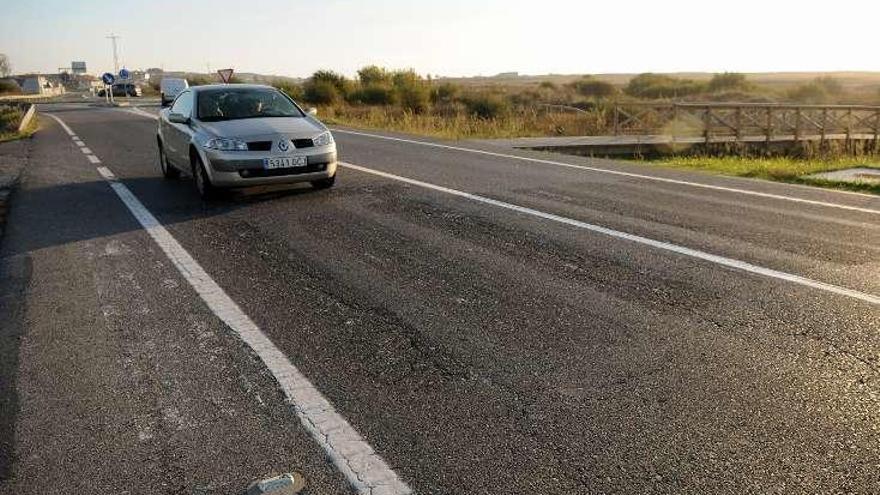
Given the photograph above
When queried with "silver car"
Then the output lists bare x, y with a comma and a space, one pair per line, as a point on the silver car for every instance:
237, 135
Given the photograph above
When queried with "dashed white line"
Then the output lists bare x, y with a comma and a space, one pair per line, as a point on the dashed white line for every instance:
367, 472
93, 158
86, 151
693, 253
619, 172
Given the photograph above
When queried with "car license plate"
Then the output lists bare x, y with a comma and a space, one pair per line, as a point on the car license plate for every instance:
284, 162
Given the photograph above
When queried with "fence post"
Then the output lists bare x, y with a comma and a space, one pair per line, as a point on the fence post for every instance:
707, 124
876, 129
824, 126
616, 118
849, 143
738, 123
769, 126
797, 124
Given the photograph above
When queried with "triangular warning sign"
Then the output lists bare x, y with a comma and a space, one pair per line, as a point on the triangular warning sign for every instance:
225, 75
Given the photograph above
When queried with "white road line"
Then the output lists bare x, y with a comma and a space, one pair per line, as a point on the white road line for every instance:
720, 260
621, 173
359, 463
85, 150
93, 158
79, 143
143, 113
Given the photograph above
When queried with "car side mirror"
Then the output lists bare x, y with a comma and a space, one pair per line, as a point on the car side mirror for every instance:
312, 111
178, 118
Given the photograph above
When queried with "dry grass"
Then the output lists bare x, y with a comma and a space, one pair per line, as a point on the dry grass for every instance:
460, 125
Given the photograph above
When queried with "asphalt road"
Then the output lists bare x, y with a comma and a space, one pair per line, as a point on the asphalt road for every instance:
478, 349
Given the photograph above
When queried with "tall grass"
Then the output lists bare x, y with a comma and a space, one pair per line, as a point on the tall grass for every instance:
461, 124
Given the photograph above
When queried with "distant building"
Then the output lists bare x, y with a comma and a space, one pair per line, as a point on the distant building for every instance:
78, 68
508, 75
39, 85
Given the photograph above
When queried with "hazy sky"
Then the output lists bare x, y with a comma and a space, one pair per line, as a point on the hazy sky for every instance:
446, 37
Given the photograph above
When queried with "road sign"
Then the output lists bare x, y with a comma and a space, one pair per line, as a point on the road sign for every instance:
124, 74
108, 78
225, 75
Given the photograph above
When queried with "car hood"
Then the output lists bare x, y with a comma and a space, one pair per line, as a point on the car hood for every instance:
248, 128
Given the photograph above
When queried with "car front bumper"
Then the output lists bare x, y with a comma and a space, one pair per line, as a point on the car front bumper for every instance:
244, 169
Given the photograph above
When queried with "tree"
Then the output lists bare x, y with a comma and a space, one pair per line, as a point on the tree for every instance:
662, 86
5, 66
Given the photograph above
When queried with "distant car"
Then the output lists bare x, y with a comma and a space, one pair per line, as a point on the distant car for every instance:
170, 87
126, 89
237, 135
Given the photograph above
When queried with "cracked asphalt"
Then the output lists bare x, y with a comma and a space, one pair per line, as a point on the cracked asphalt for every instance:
477, 350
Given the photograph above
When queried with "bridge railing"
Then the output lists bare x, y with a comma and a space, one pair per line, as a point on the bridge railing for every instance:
734, 121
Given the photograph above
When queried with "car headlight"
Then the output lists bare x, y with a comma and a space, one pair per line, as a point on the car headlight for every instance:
223, 144
323, 139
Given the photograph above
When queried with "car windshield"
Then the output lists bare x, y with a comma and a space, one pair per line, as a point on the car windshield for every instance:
244, 103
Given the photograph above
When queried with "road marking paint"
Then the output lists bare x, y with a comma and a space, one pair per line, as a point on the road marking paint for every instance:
79, 143
719, 260
86, 150
93, 158
624, 174
143, 113
364, 469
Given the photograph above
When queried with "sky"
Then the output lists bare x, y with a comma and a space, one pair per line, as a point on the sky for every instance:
444, 37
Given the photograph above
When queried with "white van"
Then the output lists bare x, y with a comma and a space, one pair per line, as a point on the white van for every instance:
170, 87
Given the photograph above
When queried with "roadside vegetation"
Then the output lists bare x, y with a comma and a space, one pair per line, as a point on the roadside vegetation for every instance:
10, 118
403, 100
782, 169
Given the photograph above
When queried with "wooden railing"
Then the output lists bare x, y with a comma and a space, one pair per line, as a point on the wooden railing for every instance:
734, 122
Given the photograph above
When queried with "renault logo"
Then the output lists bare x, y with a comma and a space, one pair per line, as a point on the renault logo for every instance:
283, 145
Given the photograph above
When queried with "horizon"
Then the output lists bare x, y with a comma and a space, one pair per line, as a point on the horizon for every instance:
490, 38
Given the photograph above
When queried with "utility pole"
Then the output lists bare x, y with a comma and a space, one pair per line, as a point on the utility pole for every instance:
113, 38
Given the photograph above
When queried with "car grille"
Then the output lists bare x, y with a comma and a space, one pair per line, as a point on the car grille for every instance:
303, 143
275, 172
259, 145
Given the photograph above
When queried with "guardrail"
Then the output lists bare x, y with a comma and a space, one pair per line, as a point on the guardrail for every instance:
732, 122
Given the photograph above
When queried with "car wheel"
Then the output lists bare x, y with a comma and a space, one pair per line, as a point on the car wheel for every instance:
324, 183
203, 183
168, 171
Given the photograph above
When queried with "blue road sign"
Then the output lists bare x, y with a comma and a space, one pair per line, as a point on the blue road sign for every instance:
124, 74
108, 78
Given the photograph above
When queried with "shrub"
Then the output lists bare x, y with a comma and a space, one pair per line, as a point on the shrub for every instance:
809, 93
444, 93
547, 85
593, 88
322, 92
373, 75
486, 106
662, 86
290, 88
374, 94
338, 81
415, 97
8, 86
729, 81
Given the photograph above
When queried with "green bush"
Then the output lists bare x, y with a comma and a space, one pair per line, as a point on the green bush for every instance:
374, 94
729, 81
662, 86
594, 88
415, 97
290, 88
338, 81
373, 75
444, 93
322, 93
486, 105
9, 87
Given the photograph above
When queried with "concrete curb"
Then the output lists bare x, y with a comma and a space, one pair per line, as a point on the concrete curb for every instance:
28, 117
